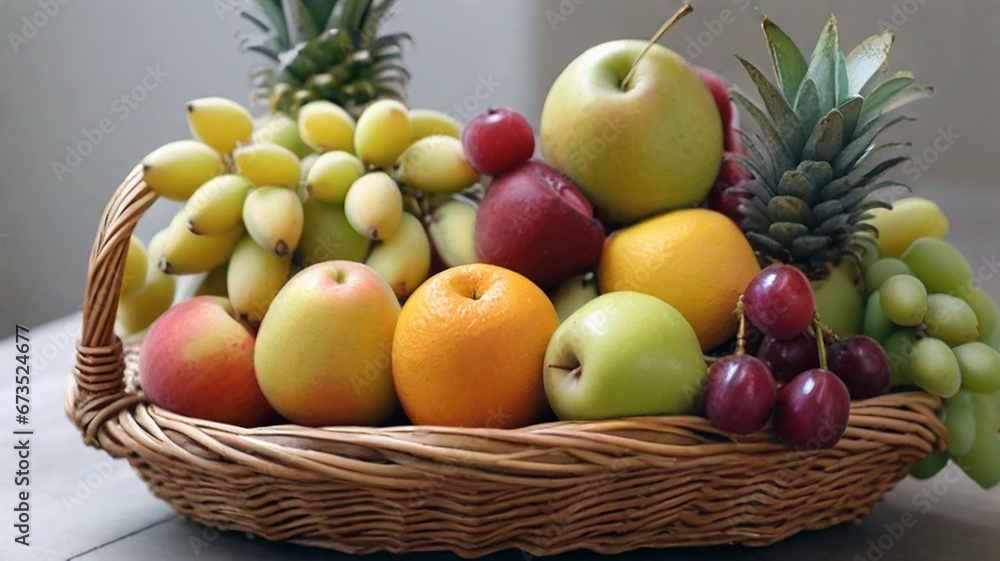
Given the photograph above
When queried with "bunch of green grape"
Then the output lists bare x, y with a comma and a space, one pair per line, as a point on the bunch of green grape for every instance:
942, 334
261, 204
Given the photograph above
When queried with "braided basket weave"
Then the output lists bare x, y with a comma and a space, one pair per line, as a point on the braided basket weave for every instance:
608, 486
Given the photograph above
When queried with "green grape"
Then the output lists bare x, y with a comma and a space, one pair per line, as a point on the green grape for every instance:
986, 310
898, 347
882, 269
960, 420
951, 319
980, 367
982, 462
903, 299
930, 466
934, 367
939, 265
877, 325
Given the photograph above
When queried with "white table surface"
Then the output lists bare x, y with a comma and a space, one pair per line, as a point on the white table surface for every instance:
87, 507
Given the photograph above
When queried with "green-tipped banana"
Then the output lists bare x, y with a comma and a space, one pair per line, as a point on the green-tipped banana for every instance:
332, 174
214, 283
217, 206
273, 217
268, 165
254, 278
175, 170
404, 259
374, 206
436, 164
452, 231
221, 123
429, 122
326, 127
328, 236
573, 293
283, 131
382, 133
138, 310
136, 265
184, 253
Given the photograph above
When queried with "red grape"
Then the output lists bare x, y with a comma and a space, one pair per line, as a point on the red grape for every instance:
739, 395
790, 357
779, 301
812, 410
862, 364
498, 140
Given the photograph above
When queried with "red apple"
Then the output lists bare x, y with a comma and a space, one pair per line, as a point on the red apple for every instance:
727, 109
535, 221
197, 360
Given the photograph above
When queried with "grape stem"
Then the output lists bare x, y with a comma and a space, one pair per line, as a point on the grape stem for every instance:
741, 332
685, 10
821, 333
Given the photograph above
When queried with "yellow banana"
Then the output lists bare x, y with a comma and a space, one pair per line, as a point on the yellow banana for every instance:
136, 265
221, 123
332, 174
428, 122
328, 236
217, 206
254, 278
436, 164
175, 170
403, 260
374, 206
383, 132
184, 253
326, 127
452, 231
273, 218
268, 165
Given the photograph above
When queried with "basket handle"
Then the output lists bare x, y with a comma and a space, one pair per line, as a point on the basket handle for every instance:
98, 391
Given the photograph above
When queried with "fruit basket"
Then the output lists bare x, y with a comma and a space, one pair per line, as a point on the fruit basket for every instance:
608, 486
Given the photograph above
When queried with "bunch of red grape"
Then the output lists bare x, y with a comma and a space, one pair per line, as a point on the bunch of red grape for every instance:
812, 406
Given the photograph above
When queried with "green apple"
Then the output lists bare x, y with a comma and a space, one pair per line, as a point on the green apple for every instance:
624, 354
573, 293
653, 147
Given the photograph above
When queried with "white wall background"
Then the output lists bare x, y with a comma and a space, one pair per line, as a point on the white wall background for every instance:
74, 70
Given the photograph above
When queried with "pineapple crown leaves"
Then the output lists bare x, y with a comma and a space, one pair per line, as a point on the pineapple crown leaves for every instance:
323, 49
813, 155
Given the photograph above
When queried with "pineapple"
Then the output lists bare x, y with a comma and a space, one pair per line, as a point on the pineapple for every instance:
324, 49
814, 161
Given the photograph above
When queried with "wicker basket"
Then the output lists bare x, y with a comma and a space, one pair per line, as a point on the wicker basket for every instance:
608, 486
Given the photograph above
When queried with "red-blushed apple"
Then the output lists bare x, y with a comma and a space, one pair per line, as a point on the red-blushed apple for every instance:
728, 112
729, 190
324, 350
535, 221
197, 360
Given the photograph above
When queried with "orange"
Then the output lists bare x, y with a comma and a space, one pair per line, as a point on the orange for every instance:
469, 347
696, 260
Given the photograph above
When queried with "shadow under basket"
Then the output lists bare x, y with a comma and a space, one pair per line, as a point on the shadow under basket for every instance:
608, 486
